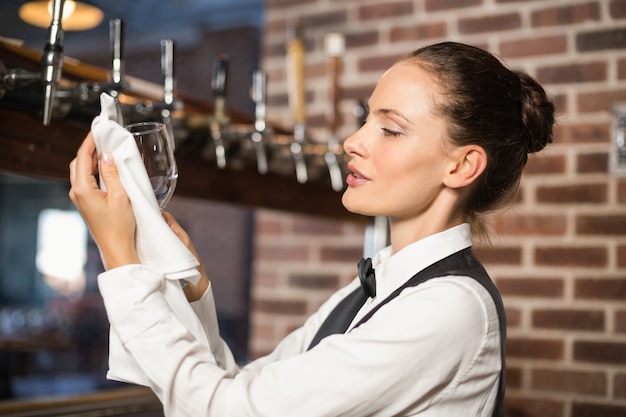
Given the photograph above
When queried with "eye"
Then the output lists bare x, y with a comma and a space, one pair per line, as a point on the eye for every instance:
389, 132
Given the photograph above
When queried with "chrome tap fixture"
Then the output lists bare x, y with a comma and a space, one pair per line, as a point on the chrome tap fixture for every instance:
296, 90
220, 117
259, 93
87, 92
52, 60
334, 45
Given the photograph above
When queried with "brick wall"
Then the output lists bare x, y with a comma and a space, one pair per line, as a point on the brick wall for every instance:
558, 254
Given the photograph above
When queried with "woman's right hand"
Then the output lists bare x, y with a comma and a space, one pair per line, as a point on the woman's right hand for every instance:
108, 214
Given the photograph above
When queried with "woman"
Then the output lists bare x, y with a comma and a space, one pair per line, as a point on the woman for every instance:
446, 139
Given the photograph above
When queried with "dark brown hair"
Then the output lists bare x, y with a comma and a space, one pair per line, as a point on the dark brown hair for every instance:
505, 112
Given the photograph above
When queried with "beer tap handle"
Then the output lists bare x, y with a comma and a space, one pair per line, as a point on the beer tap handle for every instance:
296, 95
334, 45
220, 74
52, 60
116, 37
167, 68
259, 93
220, 116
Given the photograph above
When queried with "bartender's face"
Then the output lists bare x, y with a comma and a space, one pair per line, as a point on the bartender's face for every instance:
397, 158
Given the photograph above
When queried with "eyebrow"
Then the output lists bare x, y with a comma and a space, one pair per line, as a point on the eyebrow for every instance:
393, 112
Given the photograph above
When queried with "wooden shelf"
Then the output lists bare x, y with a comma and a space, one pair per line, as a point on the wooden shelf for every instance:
29, 147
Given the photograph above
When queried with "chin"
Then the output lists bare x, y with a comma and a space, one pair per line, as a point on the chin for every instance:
354, 207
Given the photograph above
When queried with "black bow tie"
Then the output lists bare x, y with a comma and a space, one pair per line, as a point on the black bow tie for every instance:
367, 277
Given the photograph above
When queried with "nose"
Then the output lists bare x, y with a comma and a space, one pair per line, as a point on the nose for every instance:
355, 145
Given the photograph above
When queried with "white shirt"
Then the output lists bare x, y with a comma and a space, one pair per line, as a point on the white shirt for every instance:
432, 351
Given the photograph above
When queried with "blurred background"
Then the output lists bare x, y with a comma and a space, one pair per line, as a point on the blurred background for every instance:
277, 247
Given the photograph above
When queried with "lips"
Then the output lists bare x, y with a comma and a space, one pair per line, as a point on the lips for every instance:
355, 177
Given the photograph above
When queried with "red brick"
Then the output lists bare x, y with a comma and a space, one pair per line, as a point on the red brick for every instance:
566, 15
573, 73
545, 164
419, 32
600, 352
621, 192
599, 101
549, 45
583, 133
580, 409
494, 23
434, 5
291, 253
531, 287
314, 281
532, 407
513, 377
385, 10
592, 320
376, 64
268, 227
579, 382
592, 163
262, 280
600, 289
588, 257
617, 9
513, 317
621, 256
316, 226
567, 194
518, 224
499, 255
360, 39
619, 386
279, 307
621, 69
560, 103
620, 321
534, 348
342, 254
601, 40
324, 19
601, 224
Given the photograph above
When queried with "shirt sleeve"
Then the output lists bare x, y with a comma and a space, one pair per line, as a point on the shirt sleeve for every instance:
412, 353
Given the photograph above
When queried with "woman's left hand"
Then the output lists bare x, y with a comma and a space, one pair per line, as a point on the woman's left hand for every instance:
192, 292
108, 214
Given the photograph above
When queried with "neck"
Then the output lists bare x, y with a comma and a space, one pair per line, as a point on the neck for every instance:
443, 214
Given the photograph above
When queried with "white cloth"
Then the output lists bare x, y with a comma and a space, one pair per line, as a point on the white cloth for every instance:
158, 247
433, 351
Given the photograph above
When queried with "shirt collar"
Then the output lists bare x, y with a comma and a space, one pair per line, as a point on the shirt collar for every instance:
393, 270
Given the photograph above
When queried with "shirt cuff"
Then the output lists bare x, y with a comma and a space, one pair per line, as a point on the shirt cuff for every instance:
132, 299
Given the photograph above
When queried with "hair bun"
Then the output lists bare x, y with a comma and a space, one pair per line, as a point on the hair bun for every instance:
537, 114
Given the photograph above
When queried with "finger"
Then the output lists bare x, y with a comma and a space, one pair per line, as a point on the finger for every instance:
110, 175
85, 163
176, 228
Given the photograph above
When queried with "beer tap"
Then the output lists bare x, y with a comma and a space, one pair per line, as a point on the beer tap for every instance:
334, 44
116, 39
220, 117
16, 78
90, 91
296, 91
169, 88
166, 108
167, 68
259, 93
52, 60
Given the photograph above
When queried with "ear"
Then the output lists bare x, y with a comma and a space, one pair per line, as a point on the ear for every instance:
467, 164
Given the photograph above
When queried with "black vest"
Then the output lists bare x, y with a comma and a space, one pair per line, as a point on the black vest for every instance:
462, 263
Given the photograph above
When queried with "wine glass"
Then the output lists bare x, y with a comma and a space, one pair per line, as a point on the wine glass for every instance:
155, 148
